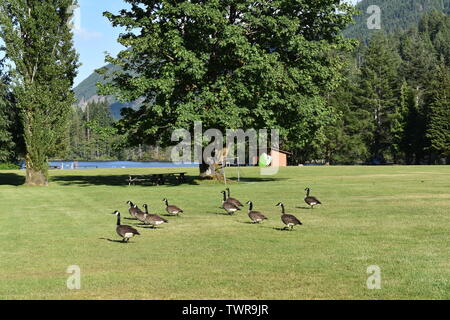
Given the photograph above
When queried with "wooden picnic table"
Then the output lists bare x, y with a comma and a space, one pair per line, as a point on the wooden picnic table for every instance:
157, 178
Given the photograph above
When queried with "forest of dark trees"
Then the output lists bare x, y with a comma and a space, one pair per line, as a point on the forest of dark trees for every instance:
394, 104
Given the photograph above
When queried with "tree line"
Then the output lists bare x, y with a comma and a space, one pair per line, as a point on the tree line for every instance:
94, 137
394, 104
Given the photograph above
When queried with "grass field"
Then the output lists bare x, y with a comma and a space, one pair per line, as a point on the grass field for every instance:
397, 218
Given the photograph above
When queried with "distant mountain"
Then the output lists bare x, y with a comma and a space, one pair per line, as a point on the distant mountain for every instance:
396, 15
86, 92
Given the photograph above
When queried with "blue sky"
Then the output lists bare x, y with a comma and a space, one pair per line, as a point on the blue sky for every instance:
95, 35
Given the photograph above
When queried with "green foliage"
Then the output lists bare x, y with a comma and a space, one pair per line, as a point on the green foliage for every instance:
377, 91
438, 129
392, 106
396, 15
7, 144
436, 27
11, 141
229, 64
39, 44
347, 137
9, 166
93, 135
399, 120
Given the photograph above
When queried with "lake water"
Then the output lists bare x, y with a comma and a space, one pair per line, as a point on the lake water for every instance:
115, 164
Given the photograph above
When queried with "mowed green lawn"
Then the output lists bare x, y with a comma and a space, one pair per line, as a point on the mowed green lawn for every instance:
397, 218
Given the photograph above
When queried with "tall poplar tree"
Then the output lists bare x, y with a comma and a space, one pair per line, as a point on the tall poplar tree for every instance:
38, 42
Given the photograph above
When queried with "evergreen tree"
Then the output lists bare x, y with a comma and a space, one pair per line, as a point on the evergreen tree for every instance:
93, 135
38, 42
435, 26
438, 129
398, 121
347, 137
419, 68
77, 135
419, 61
378, 92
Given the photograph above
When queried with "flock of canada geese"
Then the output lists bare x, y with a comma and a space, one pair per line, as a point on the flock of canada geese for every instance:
229, 204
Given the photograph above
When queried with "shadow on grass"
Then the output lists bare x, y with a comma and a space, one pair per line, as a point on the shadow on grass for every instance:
253, 223
257, 179
220, 213
283, 229
170, 215
116, 241
11, 179
113, 180
144, 226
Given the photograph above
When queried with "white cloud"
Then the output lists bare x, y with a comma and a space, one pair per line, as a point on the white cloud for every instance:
86, 34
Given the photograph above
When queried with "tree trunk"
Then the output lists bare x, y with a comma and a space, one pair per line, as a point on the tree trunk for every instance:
35, 177
205, 170
211, 169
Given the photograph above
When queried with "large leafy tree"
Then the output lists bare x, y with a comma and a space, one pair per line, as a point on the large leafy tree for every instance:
230, 64
38, 42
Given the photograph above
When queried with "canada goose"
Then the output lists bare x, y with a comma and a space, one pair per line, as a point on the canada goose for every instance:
153, 219
140, 215
172, 209
126, 232
310, 200
288, 219
132, 210
255, 216
229, 207
234, 201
